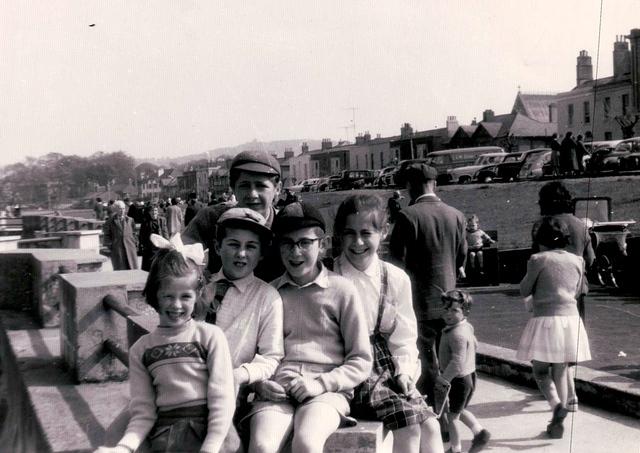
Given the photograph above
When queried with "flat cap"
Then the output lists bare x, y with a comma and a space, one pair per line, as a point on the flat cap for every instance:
245, 218
418, 173
295, 216
256, 162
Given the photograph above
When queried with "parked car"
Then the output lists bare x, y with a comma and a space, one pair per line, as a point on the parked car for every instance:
323, 185
533, 165
490, 172
463, 175
334, 182
508, 171
296, 187
385, 177
632, 160
310, 185
448, 159
355, 179
609, 158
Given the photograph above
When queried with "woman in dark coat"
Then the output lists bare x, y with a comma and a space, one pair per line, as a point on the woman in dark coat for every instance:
152, 223
568, 158
120, 239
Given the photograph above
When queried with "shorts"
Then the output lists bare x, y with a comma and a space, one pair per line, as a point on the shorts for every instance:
461, 391
179, 430
286, 373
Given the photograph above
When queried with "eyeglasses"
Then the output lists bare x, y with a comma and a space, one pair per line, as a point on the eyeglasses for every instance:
302, 244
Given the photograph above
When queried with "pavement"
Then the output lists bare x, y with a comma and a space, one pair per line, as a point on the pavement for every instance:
517, 418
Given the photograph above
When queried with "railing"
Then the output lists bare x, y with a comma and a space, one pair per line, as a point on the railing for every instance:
113, 347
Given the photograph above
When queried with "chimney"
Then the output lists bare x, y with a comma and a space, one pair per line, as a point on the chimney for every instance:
621, 57
288, 153
488, 115
474, 122
634, 38
378, 136
367, 137
359, 139
326, 144
304, 147
406, 130
452, 125
584, 69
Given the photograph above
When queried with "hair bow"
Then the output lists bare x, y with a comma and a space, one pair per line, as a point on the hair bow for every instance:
195, 252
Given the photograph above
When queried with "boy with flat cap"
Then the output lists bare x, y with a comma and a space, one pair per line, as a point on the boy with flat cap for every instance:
255, 178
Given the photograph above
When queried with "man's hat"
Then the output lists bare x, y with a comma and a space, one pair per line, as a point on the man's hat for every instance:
295, 216
245, 218
418, 173
256, 162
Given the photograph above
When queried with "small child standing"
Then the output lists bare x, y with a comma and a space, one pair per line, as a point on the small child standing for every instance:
555, 335
180, 375
457, 355
476, 240
326, 343
389, 394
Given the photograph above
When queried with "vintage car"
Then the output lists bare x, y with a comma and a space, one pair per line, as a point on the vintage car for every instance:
508, 170
463, 175
608, 158
490, 172
534, 165
355, 179
632, 160
385, 177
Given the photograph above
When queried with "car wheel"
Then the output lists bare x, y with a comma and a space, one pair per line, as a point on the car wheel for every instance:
464, 180
486, 179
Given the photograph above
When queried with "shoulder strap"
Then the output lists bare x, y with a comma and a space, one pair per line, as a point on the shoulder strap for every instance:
384, 287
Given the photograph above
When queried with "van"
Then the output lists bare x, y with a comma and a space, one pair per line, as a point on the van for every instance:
453, 158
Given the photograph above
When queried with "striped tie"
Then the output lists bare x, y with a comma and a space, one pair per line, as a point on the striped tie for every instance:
222, 286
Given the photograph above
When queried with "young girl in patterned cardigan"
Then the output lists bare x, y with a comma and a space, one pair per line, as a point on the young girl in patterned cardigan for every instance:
180, 375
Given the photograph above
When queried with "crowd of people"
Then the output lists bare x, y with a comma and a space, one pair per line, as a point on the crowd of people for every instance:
262, 342
567, 157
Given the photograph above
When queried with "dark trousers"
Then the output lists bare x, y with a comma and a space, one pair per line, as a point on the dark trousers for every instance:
429, 332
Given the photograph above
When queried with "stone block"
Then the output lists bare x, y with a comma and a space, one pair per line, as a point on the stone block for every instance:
47, 265
81, 239
9, 243
85, 324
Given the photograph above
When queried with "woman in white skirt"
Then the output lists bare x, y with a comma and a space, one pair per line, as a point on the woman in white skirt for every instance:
555, 335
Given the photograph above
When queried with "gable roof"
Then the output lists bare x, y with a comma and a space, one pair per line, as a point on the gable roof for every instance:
534, 106
490, 128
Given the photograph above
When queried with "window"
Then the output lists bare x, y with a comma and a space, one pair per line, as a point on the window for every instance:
607, 107
625, 104
570, 114
357, 162
587, 112
608, 136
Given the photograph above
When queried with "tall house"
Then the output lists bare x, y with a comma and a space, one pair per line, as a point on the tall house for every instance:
595, 107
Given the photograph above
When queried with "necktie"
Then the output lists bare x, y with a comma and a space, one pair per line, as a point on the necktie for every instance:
222, 286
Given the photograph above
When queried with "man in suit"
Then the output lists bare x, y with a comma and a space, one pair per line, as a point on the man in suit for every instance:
119, 238
174, 217
428, 241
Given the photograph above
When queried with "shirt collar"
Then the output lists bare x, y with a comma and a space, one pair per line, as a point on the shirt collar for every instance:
372, 271
322, 280
241, 283
426, 195
448, 328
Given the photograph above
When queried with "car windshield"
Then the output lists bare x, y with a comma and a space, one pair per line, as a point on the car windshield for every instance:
512, 158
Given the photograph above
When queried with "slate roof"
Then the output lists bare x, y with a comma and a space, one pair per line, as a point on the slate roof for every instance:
516, 124
535, 106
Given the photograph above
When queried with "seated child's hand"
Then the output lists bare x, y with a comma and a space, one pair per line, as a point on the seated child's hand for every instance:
442, 382
461, 272
407, 386
271, 391
302, 388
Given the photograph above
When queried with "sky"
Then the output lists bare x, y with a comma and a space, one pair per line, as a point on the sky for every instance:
164, 78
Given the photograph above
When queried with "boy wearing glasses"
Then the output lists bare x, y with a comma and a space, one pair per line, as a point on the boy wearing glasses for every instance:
326, 343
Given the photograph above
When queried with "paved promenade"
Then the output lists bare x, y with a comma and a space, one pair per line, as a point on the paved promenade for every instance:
517, 418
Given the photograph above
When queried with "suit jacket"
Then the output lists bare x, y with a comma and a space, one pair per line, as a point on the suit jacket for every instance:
429, 240
174, 219
119, 238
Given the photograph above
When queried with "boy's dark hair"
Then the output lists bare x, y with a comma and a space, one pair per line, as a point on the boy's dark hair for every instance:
354, 204
553, 233
169, 263
554, 198
456, 296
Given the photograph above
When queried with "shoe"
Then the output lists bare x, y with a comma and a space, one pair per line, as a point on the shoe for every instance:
555, 429
480, 441
572, 405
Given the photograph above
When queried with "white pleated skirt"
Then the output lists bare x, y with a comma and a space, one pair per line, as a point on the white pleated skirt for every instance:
554, 339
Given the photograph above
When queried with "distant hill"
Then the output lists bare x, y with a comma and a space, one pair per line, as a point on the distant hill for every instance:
275, 147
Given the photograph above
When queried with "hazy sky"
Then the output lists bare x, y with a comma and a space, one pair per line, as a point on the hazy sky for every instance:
166, 78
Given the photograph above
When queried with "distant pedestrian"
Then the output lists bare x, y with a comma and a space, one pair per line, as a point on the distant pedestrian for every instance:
555, 336
99, 209
119, 238
152, 223
193, 206
174, 217
554, 144
394, 206
457, 355
568, 160
581, 153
